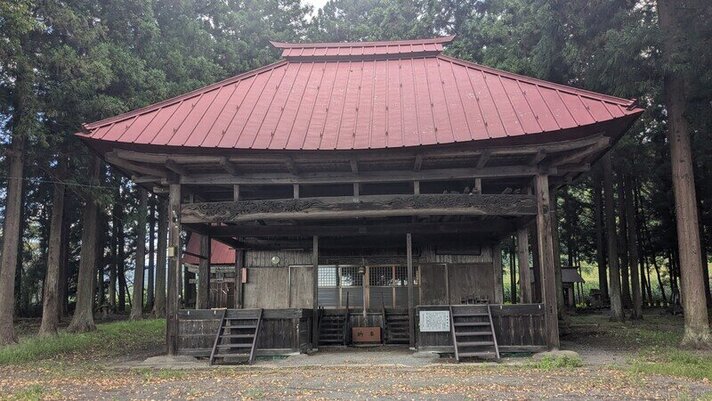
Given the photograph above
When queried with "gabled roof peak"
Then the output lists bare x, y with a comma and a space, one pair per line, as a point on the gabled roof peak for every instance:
363, 50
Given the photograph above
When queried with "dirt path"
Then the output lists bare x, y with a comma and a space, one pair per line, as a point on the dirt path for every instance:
314, 383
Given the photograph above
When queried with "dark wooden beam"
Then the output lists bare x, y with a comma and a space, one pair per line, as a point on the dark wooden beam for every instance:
456, 150
175, 167
291, 166
366, 206
227, 165
484, 158
538, 157
356, 229
134, 167
418, 162
363, 176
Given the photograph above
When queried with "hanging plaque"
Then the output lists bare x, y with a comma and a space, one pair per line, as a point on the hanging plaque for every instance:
434, 320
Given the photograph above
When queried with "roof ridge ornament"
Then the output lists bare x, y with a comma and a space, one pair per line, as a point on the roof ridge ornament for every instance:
363, 50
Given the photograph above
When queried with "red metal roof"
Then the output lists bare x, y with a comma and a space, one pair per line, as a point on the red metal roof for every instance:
220, 254
346, 96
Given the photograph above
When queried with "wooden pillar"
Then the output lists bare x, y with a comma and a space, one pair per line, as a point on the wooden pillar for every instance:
525, 283
315, 292
546, 261
498, 276
411, 300
203, 299
536, 266
174, 273
239, 266
553, 211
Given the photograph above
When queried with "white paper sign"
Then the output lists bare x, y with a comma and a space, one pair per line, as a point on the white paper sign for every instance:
434, 320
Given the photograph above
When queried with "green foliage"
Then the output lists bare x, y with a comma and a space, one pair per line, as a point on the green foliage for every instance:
110, 340
673, 362
557, 362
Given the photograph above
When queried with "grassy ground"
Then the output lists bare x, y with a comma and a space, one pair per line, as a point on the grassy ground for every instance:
110, 340
631, 360
652, 344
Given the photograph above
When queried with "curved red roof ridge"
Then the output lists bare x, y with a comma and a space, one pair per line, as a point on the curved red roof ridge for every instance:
414, 97
292, 45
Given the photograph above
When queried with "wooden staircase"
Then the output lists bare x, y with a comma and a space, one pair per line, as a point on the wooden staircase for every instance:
236, 338
332, 329
396, 327
473, 332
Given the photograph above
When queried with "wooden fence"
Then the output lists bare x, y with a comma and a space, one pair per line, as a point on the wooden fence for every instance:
519, 328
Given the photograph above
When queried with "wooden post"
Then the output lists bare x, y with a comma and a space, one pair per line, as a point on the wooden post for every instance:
239, 265
174, 199
525, 284
411, 301
546, 261
203, 300
498, 276
315, 292
416, 187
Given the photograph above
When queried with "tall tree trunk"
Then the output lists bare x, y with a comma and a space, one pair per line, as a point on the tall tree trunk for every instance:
697, 328
83, 319
51, 302
137, 306
600, 247
11, 239
623, 246
64, 282
633, 249
159, 306
150, 294
22, 122
613, 271
100, 294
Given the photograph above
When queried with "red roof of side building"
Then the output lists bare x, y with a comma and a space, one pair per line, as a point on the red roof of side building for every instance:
220, 254
370, 95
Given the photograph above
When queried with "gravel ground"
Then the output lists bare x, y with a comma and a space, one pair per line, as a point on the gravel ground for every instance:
434, 382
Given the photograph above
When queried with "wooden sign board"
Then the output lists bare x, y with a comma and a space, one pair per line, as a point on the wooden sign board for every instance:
434, 321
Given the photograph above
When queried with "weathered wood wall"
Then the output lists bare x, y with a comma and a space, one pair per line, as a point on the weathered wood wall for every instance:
279, 287
281, 331
519, 328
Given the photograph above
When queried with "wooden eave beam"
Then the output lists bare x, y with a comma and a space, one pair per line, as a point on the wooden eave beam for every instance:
291, 166
347, 230
379, 206
227, 165
484, 158
335, 157
538, 157
134, 167
418, 162
362, 177
579, 155
175, 167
